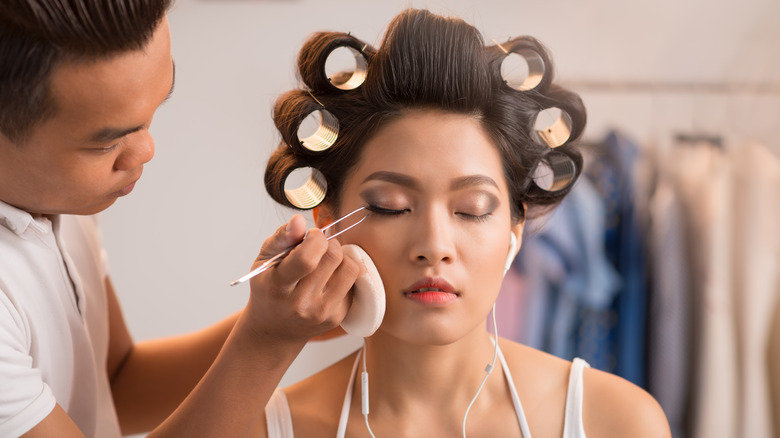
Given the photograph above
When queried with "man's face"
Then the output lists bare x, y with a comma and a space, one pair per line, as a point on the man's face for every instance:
93, 149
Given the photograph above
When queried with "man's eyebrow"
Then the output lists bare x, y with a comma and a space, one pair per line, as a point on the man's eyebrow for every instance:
106, 135
173, 81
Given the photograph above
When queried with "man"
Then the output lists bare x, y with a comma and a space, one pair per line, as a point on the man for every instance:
80, 81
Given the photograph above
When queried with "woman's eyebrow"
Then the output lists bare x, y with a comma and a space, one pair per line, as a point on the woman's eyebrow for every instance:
471, 181
412, 183
395, 178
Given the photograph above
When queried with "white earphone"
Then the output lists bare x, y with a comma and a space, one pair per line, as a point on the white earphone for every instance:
513, 243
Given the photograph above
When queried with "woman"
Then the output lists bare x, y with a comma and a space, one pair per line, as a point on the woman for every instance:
447, 155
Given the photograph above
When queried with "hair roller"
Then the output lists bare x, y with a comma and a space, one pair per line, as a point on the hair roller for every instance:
314, 55
521, 64
307, 194
306, 126
292, 181
554, 175
551, 126
561, 118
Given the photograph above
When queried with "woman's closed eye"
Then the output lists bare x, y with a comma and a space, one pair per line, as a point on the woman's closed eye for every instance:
478, 207
475, 217
386, 211
383, 211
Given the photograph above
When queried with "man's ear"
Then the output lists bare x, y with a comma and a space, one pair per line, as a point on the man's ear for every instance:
322, 216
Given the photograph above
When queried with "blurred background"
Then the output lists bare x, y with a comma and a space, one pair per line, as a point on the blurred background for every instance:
681, 190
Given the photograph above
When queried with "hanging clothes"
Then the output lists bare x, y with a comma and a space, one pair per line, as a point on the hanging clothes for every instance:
568, 284
732, 209
669, 311
702, 179
755, 208
613, 172
677, 288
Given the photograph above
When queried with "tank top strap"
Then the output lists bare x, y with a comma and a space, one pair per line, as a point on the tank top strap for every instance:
573, 424
278, 419
342, 430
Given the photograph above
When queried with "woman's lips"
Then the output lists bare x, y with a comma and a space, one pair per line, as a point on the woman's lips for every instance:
431, 297
431, 291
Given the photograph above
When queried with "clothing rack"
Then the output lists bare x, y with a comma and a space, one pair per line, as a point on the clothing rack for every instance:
686, 138
682, 87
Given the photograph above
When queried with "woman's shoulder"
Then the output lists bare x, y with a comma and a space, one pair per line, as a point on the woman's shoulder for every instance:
612, 406
534, 365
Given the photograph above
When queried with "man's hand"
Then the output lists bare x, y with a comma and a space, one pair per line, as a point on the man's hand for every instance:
305, 295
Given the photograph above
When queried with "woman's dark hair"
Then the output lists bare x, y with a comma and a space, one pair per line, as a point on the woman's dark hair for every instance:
427, 61
36, 35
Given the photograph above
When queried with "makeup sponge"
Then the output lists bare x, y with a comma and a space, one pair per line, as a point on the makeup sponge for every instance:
368, 300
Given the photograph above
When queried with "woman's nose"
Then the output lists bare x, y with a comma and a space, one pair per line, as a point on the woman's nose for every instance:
138, 150
432, 239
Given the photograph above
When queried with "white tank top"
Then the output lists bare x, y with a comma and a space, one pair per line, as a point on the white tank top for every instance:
279, 419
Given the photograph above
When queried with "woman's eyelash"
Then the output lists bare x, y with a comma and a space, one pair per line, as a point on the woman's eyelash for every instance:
393, 212
384, 211
477, 218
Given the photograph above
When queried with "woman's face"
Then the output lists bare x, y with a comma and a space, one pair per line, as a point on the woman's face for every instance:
439, 231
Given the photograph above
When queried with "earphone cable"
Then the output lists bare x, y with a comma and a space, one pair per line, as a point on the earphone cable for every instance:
364, 390
488, 369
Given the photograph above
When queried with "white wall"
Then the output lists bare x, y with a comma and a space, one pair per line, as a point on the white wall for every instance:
199, 214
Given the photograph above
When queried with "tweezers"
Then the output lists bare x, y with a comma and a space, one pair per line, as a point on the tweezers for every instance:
275, 260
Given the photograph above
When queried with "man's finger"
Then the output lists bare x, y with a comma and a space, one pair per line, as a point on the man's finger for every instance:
315, 263
285, 236
336, 295
303, 259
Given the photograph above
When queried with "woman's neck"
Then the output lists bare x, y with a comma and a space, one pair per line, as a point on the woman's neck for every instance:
404, 376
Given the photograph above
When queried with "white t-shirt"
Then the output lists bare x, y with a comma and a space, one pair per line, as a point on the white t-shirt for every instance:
53, 323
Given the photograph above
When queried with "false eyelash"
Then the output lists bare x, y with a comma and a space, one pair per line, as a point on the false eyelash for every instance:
384, 211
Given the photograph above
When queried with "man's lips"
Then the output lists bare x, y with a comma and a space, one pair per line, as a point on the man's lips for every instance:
129, 187
125, 190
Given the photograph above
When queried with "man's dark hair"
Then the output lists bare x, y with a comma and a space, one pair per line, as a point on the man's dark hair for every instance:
37, 35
